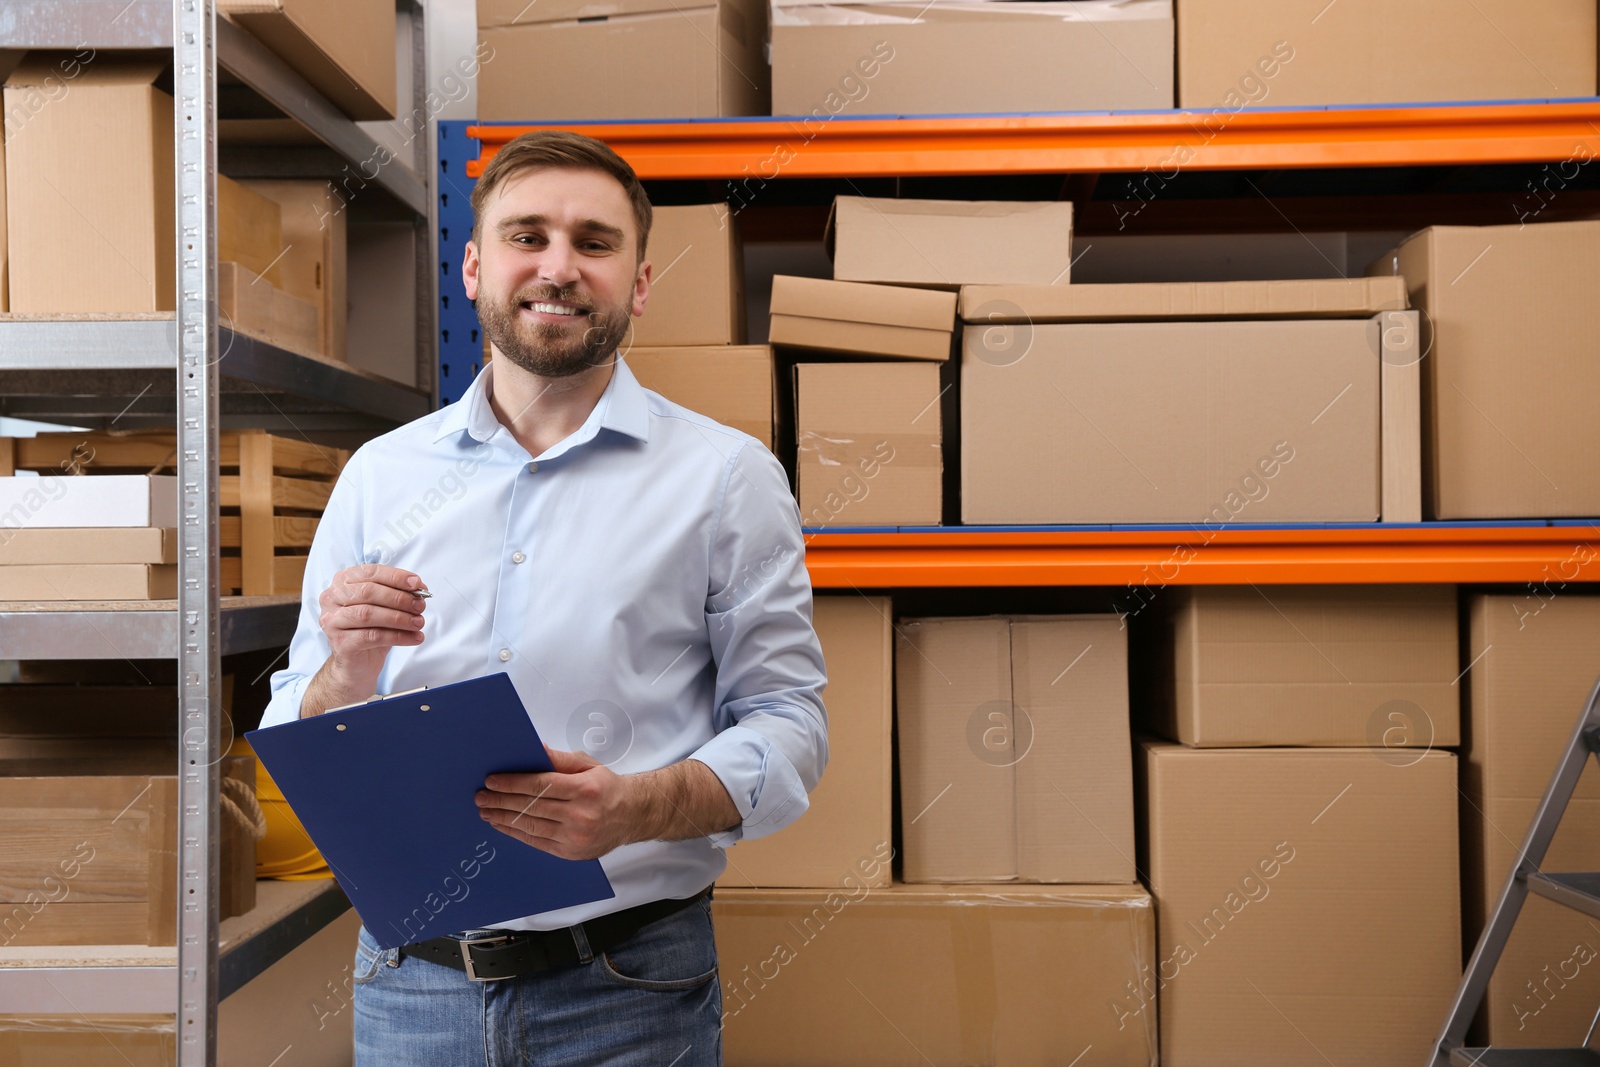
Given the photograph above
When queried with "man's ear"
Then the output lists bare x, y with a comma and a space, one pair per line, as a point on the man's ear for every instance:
469, 270
641, 288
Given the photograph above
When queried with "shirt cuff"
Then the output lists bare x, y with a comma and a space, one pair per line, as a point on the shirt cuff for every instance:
285, 703
764, 785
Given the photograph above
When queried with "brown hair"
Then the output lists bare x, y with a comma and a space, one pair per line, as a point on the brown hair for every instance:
558, 148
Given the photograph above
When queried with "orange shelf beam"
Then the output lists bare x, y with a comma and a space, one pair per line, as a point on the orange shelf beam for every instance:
1552, 555
764, 149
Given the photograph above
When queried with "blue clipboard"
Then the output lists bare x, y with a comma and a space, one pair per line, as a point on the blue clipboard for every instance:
385, 791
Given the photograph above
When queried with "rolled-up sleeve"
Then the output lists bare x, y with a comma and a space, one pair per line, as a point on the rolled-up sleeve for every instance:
772, 729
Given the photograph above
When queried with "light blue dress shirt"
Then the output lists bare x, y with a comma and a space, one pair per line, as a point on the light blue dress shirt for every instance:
642, 582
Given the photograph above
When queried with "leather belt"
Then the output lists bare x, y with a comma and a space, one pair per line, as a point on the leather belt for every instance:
519, 952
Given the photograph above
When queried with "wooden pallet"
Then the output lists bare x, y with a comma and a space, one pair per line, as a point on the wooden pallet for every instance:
271, 491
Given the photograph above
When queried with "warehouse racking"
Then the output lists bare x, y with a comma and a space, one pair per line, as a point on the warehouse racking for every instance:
725, 155
144, 370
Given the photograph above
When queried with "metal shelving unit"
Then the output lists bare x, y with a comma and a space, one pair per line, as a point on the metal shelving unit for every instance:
185, 368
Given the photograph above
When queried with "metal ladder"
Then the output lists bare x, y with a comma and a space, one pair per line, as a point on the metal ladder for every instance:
1579, 891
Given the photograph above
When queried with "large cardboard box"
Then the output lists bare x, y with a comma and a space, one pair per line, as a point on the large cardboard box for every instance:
702, 59
869, 444
1236, 54
850, 813
950, 243
315, 263
872, 320
1307, 904
1507, 438
87, 847
1013, 749
108, 229
1247, 666
697, 280
909, 976
730, 383
346, 50
899, 57
129, 544
1240, 402
1535, 657
69, 215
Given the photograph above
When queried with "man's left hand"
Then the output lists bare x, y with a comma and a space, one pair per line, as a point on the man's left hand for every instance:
582, 809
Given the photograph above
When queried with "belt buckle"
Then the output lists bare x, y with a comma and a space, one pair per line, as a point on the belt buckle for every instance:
466, 953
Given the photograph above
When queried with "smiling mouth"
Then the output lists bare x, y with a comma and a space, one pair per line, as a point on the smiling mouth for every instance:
545, 308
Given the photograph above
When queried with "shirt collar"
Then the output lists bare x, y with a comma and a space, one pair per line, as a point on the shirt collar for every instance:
623, 407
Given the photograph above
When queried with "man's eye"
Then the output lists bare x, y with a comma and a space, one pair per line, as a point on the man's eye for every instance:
526, 239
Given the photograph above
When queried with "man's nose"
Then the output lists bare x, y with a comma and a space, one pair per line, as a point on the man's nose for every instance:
558, 263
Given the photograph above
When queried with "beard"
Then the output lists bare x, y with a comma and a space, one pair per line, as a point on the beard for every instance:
549, 349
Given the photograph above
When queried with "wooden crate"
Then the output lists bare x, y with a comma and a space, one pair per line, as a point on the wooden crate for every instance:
88, 852
272, 491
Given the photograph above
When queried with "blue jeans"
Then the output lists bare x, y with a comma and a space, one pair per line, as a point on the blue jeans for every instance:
652, 1001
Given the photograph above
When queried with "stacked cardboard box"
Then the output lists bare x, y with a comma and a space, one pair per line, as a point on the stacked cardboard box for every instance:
1534, 663
662, 59
1219, 403
111, 534
943, 972
346, 51
1238, 54
1014, 751
875, 57
83, 237
1261, 856
1507, 438
870, 436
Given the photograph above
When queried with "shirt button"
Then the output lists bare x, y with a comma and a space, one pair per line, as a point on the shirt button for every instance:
533, 468
517, 557
505, 654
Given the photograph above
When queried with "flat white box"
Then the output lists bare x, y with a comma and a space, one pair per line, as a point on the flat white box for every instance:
88, 500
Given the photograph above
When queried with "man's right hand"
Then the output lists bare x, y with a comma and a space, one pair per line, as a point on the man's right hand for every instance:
368, 610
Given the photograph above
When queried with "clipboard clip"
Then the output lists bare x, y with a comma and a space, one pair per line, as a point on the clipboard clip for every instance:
377, 697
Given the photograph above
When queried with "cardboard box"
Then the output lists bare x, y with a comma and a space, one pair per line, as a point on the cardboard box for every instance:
1507, 438
245, 301
250, 230
314, 266
873, 320
869, 444
948, 243
1534, 663
1264, 859
346, 50
91, 721
91, 581
1234, 54
1013, 749
294, 323
897, 57
97, 1040
149, 544
697, 281
105, 500
1145, 420
110, 229
663, 60
907, 976
730, 383
86, 852
1245, 666
850, 814
70, 215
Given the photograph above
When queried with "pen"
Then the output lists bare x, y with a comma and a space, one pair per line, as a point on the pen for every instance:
421, 594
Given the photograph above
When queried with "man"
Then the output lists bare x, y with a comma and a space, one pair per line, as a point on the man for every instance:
637, 570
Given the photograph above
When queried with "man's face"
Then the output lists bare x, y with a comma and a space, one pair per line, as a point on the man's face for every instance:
556, 271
